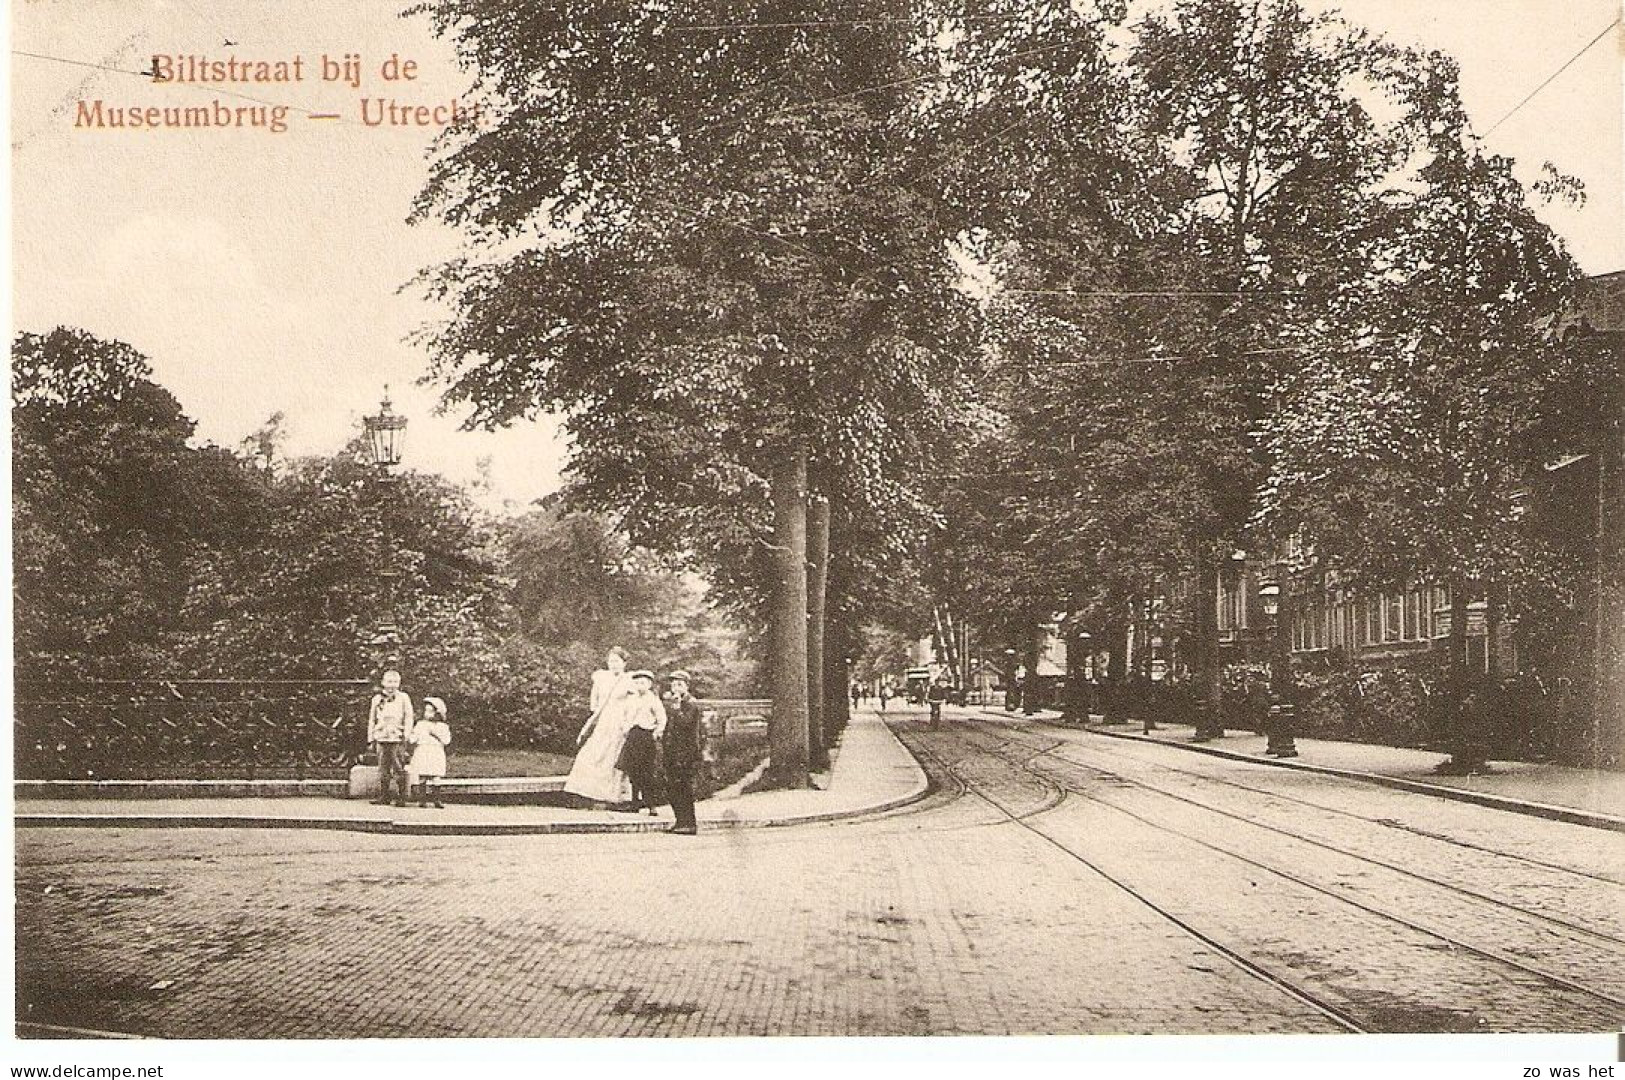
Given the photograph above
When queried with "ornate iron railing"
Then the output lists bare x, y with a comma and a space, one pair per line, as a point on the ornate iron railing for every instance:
724, 716
176, 729
180, 728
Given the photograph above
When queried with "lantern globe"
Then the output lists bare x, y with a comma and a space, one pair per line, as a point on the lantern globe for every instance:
386, 434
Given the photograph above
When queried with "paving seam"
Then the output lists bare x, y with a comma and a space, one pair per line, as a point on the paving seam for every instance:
28, 1029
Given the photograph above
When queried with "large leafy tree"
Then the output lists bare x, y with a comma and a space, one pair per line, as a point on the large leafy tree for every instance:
109, 500
1061, 198
701, 241
1290, 125
1166, 242
1408, 442
141, 555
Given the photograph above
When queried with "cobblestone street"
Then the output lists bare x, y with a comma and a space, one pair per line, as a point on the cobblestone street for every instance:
1055, 882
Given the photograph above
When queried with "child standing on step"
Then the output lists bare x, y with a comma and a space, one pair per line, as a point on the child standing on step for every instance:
430, 737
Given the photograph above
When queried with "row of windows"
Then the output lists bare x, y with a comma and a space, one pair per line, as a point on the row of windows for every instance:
1341, 620
1345, 620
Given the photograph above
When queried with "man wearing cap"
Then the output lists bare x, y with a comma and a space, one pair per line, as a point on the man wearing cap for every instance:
683, 746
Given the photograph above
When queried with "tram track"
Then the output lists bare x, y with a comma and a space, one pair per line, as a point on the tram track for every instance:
1118, 748
1024, 820
1027, 755
1539, 916
1611, 938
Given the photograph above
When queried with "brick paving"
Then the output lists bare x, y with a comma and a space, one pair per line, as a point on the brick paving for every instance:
946, 917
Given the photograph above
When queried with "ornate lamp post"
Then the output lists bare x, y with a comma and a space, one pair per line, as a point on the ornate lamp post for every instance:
1083, 679
1278, 727
386, 437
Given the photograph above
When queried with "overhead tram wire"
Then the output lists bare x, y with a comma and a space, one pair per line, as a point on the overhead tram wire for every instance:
1122, 293
1552, 77
1110, 361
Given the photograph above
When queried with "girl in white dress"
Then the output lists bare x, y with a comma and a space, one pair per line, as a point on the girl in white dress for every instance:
596, 774
430, 737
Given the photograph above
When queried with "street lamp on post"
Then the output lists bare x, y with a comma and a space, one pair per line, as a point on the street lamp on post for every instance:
1279, 725
1010, 699
386, 437
1086, 688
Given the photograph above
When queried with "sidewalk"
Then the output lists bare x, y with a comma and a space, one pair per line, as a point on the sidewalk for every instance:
870, 772
1564, 793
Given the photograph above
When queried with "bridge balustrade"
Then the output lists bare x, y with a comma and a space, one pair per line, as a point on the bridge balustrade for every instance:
188, 728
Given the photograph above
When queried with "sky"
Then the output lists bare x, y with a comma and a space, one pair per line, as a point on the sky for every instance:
264, 272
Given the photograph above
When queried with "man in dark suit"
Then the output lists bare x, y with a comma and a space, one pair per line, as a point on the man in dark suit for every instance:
683, 746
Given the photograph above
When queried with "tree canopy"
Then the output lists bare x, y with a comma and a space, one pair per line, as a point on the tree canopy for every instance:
140, 554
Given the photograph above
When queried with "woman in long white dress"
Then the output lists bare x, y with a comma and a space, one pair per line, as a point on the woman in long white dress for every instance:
596, 773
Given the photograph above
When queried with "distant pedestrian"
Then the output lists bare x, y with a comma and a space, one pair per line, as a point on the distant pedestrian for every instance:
883, 696
935, 697
682, 750
389, 723
857, 694
645, 720
430, 737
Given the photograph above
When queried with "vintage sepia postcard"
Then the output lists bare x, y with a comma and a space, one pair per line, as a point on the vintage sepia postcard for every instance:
645, 519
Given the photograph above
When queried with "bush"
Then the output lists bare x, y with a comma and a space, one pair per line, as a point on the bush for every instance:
1411, 704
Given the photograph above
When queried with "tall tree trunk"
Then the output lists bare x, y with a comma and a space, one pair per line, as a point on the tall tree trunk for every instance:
1129, 692
837, 676
1076, 708
1461, 690
1493, 660
941, 646
1030, 655
950, 640
1608, 676
817, 580
964, 655
1117, 635
1210, 656
787, 734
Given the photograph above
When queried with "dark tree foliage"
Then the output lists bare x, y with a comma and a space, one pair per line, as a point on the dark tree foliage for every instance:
108, 498
141, 555
702, 237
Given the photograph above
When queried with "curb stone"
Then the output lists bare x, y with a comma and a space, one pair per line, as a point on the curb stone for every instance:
1566, 814
919, 790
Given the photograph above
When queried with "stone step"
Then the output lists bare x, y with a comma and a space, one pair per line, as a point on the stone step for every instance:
178, 789
502, 785
462, 787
